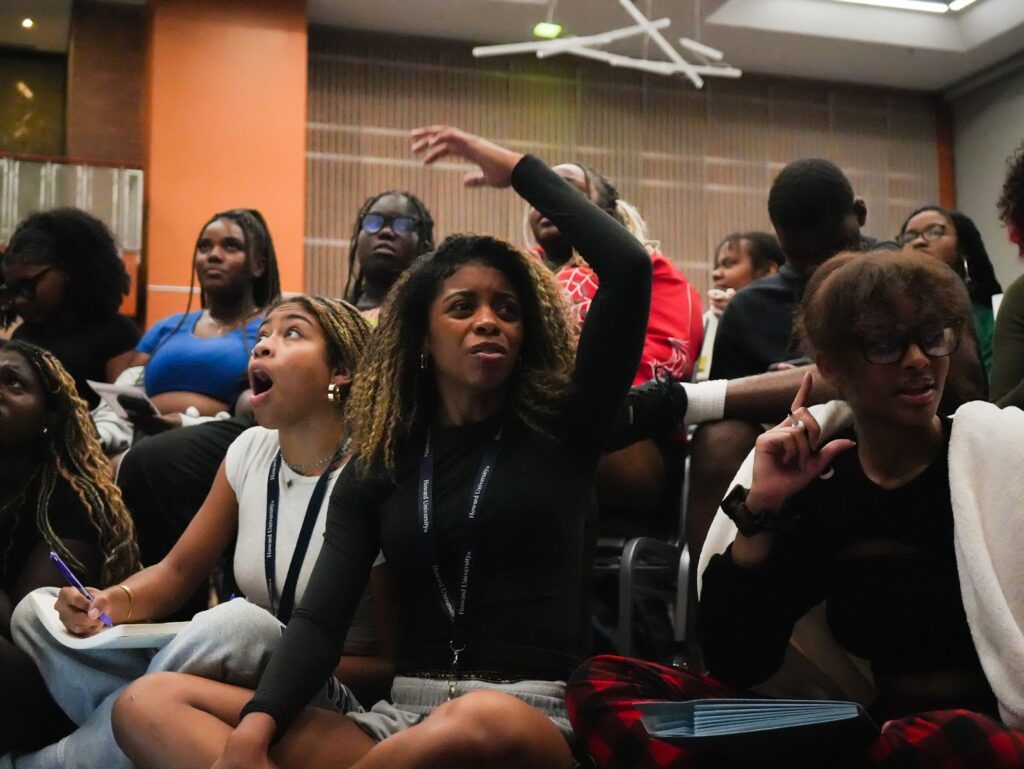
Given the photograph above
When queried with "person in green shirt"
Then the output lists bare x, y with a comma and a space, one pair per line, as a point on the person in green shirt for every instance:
952, 237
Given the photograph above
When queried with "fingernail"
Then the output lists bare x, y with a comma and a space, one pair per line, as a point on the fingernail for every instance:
93, 613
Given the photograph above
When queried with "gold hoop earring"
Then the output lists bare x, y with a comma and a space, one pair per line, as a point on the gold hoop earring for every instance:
334, 393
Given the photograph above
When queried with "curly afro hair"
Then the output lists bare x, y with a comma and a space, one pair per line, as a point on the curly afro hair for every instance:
1011, 200
82, 246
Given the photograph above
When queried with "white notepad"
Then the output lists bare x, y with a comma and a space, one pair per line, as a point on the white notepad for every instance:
153, 635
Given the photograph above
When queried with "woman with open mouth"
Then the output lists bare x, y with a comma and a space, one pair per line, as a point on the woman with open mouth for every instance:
478, 425
268, 504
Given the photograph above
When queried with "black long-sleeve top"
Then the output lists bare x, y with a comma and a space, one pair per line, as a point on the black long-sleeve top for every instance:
525, 610
883, 562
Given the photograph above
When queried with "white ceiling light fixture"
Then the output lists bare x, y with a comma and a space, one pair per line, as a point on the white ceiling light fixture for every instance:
959, 5
589, 47
27, 23
903, 5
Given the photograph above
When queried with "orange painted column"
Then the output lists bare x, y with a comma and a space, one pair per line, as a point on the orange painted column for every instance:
225, 128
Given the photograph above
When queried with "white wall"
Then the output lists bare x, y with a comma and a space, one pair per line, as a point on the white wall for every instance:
988, 126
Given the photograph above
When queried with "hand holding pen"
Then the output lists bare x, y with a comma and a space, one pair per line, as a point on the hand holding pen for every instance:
74, 601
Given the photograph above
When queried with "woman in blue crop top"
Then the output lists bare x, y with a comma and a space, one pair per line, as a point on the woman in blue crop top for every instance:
196, 359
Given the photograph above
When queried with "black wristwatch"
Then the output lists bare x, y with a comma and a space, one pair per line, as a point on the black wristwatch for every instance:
747, 522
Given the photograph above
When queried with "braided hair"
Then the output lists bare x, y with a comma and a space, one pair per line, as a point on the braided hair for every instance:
424, 228
73, 456
393, 396
259, 246
83, 247
979, 275
345, 329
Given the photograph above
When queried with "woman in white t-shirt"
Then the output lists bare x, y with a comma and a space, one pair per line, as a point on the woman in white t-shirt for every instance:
269, 499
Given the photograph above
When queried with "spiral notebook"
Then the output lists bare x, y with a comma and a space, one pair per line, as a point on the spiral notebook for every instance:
141, 635
770, 730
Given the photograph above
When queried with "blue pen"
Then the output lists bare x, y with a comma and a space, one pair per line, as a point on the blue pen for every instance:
73, 581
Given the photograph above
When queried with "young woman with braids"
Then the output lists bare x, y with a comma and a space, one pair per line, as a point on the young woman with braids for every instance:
391, 230
55, 494
194, 360
478, 424
954, 239
306, 351
64, 278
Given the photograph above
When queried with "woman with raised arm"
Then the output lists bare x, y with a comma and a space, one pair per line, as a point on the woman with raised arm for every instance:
478, 431
272, 487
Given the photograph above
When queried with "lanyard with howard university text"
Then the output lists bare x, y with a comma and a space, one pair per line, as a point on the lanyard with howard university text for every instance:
454, 612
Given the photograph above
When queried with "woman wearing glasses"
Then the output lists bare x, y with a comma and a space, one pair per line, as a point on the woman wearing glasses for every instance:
63, 277
952, 237
391, 230
861, 520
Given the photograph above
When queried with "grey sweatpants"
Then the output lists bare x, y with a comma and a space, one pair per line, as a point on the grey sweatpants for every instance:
231, 643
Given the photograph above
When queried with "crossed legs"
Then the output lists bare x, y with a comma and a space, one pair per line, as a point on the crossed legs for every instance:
170, 720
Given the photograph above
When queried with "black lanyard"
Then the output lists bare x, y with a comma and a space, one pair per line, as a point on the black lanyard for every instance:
284, 608
455, 613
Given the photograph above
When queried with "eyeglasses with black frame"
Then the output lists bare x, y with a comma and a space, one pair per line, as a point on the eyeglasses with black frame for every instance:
22, 289
930, 233
400, 225
938, 339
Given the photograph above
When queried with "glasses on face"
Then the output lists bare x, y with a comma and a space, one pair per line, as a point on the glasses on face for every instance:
400, 225
936, 340
22, 289
929, 233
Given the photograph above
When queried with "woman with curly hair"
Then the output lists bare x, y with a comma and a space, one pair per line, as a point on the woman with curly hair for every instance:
63, 276
1007, 385
478, 427
953, 238
55, 495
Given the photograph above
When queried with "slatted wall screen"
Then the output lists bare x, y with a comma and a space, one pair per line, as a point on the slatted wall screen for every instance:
698, 164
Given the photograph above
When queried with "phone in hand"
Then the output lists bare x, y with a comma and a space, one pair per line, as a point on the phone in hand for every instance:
137, 405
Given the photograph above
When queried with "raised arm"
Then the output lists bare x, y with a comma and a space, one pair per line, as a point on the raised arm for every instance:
612, 339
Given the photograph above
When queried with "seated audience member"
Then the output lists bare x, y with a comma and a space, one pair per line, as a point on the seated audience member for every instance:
306, 352
55, 495
862, 520
816, 215
63, 277
165, 478
1007, 384
674, 330
391, 230
194, 362
469, 388
952, 237
740, 259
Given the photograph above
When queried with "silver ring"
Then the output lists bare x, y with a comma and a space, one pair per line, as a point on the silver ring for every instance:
799, 425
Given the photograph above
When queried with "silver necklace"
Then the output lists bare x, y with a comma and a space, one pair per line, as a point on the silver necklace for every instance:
304, 468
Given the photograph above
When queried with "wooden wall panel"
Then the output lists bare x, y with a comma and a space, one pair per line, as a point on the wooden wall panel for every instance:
698, 164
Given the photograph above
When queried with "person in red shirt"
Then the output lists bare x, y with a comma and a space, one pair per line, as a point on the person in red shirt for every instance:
675, 329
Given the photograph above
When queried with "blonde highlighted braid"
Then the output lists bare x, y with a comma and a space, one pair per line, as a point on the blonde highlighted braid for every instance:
393, 395
346, 330
73, 455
